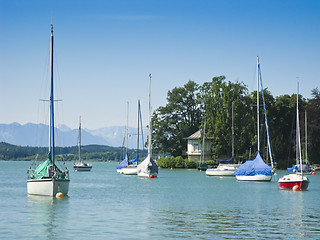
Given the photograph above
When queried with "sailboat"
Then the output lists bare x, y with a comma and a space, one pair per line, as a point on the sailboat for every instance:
131, 169
148, 167
47, 179
295, 181
225, 167
257, 169
125, 161
81, 166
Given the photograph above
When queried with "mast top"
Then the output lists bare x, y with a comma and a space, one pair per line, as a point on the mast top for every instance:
51, 29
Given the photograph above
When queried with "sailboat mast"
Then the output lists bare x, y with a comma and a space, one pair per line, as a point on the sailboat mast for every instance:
150, 128
204, 134
138, 128
232, 131
258, 133
298, 130
52, 144
297, 145
79, 146
127, 132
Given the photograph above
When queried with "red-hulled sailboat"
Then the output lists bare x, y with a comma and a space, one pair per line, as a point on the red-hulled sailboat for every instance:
295, 181
292, 180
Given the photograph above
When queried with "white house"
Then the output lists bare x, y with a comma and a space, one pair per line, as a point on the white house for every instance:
194, 147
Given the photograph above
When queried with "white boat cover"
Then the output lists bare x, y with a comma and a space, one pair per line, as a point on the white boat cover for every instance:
147, 166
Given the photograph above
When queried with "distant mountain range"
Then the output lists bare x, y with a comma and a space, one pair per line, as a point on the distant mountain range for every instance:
37, 135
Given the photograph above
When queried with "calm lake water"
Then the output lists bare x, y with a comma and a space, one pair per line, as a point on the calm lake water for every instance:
178, 204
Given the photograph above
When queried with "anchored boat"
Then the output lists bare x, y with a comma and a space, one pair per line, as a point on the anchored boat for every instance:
148, 167
46, 178
295, 181
257, 169
81, 166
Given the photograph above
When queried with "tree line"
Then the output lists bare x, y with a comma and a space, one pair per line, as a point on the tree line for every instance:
190, 106
88, 152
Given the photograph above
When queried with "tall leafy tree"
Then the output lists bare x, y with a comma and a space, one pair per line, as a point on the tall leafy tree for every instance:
217, 97
177, 120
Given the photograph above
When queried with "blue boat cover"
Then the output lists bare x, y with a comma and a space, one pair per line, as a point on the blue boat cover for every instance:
135, 160
292, 168
124, 163
226, 161
254, 167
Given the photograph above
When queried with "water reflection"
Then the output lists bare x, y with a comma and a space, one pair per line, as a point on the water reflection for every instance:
44, 216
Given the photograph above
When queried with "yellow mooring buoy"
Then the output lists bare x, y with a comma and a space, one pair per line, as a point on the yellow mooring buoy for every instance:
59, 195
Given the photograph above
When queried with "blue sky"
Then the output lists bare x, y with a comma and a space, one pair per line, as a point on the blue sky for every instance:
105, 50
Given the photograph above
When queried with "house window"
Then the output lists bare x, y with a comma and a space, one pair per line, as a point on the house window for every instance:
196, 147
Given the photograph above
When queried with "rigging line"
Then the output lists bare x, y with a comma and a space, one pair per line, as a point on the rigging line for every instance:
265, 117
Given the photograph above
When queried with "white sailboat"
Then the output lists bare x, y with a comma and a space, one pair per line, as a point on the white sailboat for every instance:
257, 169
81, 166
47, 179
131, 169
148, 167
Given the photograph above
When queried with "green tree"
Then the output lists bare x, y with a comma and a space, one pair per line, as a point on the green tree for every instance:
178, 119
216, 99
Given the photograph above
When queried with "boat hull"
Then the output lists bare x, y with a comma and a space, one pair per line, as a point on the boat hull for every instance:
215, 172
47, 186
222, 170
147, 175
129, 171
303, 185
256, 178
82, 168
